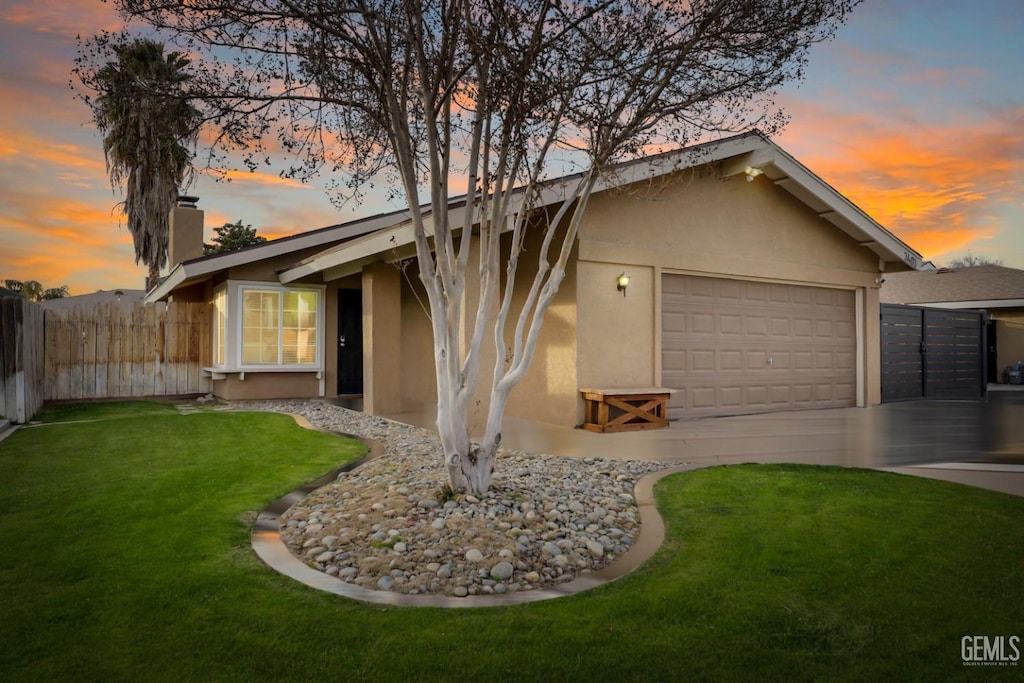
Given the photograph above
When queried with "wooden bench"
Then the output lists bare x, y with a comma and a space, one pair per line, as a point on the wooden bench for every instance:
638, 408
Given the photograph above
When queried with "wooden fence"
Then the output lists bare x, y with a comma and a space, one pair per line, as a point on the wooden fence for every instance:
21, 359
112, 350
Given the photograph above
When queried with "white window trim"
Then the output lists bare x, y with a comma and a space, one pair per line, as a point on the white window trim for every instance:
233, 329
224, 341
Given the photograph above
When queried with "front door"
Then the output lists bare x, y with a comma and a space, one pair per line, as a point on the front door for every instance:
350, 342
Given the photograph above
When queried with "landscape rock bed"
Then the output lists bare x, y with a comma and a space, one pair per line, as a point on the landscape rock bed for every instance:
387, 525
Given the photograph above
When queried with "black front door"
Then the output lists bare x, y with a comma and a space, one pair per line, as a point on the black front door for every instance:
350, 341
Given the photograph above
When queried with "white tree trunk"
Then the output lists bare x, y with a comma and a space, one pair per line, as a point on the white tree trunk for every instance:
471, 465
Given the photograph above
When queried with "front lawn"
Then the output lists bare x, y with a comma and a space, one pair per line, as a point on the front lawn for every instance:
126, 557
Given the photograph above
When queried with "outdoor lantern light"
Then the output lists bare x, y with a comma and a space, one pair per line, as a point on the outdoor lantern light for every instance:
621, 283
752, 173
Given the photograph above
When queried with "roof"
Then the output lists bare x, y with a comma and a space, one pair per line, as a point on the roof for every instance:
737, 154
977, 287
349, 246
197, 269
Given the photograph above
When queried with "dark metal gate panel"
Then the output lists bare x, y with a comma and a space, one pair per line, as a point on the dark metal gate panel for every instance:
954, 345
931, 353
902, 360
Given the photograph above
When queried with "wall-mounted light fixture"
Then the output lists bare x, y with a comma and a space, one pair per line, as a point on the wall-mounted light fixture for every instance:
752, 173
622, 282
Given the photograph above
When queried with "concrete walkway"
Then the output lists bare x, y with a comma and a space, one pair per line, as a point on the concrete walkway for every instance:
975, 443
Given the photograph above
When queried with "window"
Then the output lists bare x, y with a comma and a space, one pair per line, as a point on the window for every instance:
298, 328
220, 324
261, 321
261, 326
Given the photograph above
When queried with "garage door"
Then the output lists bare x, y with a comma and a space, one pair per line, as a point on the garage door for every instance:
733, 347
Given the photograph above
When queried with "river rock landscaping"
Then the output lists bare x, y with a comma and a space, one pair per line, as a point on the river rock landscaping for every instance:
392, 524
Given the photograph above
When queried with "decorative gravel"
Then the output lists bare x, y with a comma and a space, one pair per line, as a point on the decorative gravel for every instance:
388, 526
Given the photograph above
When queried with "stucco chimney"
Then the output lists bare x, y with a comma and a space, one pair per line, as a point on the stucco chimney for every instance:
185, 237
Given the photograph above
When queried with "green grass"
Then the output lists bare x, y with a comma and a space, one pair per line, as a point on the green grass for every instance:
103, 410
126, 557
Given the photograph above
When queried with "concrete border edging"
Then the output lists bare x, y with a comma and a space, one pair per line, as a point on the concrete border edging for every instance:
266, 541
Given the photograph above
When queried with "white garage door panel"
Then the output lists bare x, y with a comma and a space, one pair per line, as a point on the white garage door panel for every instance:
732, 347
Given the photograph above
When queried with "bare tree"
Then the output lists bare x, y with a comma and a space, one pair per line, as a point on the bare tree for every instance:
972, 261
490, 97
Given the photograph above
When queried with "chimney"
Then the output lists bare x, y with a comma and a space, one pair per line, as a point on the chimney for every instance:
185, 235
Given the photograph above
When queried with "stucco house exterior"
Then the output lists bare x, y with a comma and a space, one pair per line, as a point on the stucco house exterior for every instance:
754, 287
996, 290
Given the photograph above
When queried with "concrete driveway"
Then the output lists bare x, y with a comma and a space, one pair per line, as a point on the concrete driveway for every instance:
976, 443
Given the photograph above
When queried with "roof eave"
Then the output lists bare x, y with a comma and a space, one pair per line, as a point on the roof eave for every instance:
791, 175
194, 270
163, 290
977, 303
394, 231
400, 234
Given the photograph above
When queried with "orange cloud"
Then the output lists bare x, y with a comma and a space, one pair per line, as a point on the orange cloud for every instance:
62, 17
258, 178
28, 152
935, 186
61, 240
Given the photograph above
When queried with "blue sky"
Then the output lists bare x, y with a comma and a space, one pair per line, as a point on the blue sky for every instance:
915, 112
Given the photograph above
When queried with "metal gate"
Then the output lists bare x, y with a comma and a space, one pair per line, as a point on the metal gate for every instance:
932, 353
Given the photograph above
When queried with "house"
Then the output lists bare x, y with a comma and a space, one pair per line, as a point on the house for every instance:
103, 296
754, 287
996, 290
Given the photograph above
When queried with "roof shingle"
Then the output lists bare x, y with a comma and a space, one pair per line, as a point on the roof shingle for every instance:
980, 283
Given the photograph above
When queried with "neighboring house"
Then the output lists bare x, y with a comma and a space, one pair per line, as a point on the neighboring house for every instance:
744, 296
996, 290
84, 301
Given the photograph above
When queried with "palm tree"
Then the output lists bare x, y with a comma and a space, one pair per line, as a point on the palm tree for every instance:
149, 128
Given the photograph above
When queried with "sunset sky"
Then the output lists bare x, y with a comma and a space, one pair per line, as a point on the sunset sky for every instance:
915, 112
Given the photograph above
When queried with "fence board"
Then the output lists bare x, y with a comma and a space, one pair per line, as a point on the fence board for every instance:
121, 350
200, 346
124, 319
63, 359
90, 330
113, 322
156, 334
35, 361
21, 354
8, 340
102, 349
139, 352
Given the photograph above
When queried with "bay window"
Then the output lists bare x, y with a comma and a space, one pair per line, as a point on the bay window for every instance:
262, 326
